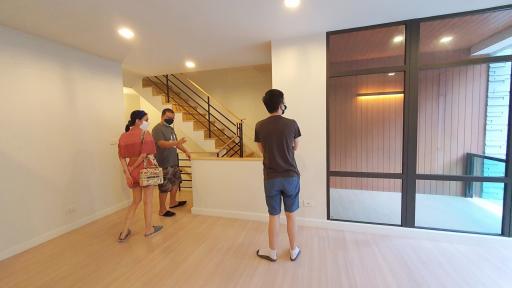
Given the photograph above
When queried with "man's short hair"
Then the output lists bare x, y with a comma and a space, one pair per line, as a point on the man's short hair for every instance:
167, 110
273, 99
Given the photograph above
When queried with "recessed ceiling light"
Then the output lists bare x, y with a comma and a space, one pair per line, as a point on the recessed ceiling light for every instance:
446, 39
126, 33
190, 64
398, 39
291, 3
391, 74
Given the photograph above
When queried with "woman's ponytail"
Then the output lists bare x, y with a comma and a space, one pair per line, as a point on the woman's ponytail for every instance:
128, 126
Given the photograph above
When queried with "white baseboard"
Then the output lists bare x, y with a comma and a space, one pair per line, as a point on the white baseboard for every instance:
395, 231
61, 230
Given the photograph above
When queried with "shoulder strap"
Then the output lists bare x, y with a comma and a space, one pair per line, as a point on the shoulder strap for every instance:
142, 144
142, 137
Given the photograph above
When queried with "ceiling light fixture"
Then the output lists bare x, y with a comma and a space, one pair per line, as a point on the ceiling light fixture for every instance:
291, 3
391, 74
190, 64
398, 39
126, 33
446, 39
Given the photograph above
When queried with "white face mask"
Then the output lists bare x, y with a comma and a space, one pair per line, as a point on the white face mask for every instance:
145, 125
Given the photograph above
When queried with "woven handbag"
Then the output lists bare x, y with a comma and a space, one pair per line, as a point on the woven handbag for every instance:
150, 176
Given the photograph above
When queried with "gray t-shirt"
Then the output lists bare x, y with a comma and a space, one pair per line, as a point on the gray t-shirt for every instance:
166, 157
277, 135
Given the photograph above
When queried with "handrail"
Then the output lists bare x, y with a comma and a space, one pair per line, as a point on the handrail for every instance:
472, 167
206, 101
220, 138
208, 120
209, 95
487, 157
206, 109
190, 102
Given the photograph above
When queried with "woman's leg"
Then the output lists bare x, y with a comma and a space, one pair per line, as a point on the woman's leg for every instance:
148, 208
137, 197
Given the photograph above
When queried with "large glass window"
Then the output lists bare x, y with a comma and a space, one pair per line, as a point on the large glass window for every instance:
463, 120
366, 199
366, 122
365, 107
460, 206
466, 37
366, 49
422, 126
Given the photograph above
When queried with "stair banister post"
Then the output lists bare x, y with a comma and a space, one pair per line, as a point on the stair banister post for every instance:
241, 138
167, 87
209, 120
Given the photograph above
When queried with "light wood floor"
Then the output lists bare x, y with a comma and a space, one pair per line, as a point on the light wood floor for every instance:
198, 251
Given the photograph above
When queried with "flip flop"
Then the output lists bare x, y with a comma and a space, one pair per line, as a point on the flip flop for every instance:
265, 256
121, 240
168, 213
156, 229
179, 204
296, 256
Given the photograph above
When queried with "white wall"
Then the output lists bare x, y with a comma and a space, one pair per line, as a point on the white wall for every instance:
299, 70
240, 90
61, 111
235, 187
228, 186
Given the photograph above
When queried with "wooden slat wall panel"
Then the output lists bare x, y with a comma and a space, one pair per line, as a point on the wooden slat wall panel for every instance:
451, 123
366, 136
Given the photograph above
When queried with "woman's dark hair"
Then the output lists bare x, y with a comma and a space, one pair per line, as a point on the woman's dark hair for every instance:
273, 99
134, 116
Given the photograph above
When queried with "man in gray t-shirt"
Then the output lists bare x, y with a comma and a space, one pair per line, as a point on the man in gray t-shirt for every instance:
167, 144
277, 139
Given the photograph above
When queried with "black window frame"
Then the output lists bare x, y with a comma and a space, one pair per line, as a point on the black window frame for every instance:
409, 174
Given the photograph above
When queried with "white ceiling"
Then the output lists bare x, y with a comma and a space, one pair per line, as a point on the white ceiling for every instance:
214, 33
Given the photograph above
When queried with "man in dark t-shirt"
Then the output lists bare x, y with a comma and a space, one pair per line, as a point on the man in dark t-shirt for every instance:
167, 145
277, 139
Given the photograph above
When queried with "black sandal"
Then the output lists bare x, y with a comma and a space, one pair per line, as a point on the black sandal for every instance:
121, 240
179, 204
265, 256
168, 213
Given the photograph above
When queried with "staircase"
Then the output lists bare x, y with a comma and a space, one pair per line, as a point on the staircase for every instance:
206, 113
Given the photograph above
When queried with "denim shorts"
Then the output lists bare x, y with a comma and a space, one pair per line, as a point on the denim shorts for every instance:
288, 189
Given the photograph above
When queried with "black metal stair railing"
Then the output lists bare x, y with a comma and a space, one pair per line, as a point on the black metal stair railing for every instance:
228, 129
185, 170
